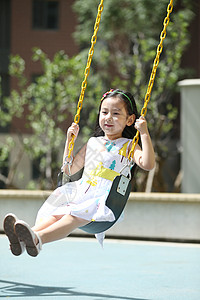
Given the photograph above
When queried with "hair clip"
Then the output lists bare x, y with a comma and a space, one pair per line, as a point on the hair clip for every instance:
104, 95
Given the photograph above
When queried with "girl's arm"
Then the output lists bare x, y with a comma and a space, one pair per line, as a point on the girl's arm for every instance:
79, 159
145, 157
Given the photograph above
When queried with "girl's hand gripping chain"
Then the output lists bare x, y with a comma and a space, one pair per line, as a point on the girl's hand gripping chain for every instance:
141, 125
72, 130
144, 157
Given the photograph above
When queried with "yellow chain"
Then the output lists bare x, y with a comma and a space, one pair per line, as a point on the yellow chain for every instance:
86, 73
153, 74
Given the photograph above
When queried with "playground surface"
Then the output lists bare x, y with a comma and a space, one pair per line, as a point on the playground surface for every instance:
78, 268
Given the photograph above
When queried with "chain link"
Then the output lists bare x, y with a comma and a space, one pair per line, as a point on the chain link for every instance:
86, 73
153, 74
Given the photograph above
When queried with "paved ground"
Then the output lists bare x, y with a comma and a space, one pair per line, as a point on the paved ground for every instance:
79, 269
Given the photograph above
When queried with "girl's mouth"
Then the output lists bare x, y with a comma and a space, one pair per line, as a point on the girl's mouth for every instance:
108, 125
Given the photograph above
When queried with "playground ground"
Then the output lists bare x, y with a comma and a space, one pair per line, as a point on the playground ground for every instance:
79, 269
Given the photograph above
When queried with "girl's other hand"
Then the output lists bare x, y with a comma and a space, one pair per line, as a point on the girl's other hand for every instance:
72, 130
141, 125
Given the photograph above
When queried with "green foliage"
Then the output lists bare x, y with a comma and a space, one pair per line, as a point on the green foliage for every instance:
4, 151
50, 99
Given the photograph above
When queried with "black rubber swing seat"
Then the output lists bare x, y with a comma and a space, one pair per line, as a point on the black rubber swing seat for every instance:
116, 201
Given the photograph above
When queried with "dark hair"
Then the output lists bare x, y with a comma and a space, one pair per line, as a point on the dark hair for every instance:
131, 108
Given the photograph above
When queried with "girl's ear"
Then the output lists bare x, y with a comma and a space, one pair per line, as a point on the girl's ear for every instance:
130, 120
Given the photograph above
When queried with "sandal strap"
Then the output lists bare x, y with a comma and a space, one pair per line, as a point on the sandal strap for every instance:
39, 244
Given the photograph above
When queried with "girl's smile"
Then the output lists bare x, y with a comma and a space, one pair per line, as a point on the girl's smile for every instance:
114, 117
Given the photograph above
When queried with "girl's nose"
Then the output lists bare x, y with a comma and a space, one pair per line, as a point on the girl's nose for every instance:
108, 116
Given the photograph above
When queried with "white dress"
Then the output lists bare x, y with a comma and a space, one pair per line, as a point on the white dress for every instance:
86, 197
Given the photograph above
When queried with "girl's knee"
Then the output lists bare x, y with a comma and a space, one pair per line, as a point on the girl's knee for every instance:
79, 221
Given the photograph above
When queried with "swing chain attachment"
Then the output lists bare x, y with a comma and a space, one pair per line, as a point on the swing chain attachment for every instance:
125, 178
128, 166
153, 74
86, 73
68, 164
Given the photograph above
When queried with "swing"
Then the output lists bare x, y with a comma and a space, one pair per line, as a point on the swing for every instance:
121, 186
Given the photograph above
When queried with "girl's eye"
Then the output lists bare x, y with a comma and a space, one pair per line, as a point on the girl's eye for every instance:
104, 112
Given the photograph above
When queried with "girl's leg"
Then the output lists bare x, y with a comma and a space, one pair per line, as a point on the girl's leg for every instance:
61, 228
51, 220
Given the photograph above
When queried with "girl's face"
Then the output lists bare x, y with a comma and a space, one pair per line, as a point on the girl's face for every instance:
113, 117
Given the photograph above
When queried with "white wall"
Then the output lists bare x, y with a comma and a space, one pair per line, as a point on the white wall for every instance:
147, 215
190, 135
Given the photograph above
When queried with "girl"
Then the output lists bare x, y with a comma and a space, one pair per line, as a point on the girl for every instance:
75, 204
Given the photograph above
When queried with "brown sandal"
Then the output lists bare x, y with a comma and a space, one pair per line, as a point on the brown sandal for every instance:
28, 236
16, 246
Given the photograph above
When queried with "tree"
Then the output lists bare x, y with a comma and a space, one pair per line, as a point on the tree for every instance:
127, 41
50, 101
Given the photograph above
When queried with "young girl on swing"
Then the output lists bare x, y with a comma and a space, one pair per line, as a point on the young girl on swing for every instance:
75, 204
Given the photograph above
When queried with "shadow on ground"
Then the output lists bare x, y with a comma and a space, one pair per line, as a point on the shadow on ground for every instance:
10, 289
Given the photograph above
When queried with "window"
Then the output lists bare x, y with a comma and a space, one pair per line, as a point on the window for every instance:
45, 14
5, 24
